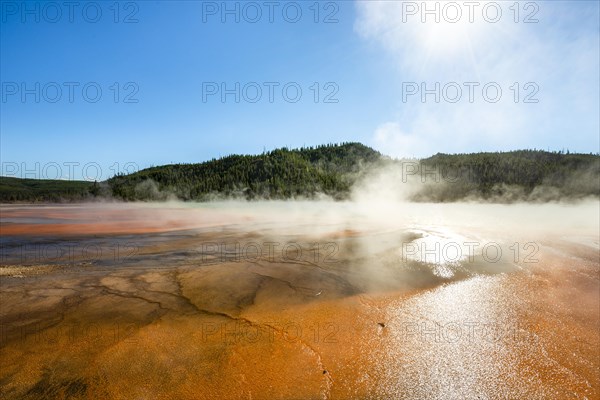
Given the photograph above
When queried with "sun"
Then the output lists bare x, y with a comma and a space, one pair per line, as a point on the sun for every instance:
444, 37
445, 28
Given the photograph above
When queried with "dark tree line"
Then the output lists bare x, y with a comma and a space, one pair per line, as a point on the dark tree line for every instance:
520, 175
331, 170
278, 174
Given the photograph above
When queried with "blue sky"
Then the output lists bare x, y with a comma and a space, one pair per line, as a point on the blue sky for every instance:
367, 56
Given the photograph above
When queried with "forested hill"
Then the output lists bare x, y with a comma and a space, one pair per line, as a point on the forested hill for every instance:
332, 170
278, 174
533, 175
46, 190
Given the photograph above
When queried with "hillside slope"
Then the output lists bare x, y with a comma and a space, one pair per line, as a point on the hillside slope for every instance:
278, 174
47, 190
533, 175
332, 170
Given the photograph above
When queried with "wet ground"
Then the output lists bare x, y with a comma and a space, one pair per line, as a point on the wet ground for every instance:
299, 301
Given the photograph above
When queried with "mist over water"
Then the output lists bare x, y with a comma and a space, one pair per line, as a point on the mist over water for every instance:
434, 233
424, 298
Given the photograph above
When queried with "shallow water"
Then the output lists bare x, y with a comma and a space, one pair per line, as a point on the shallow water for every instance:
300, 300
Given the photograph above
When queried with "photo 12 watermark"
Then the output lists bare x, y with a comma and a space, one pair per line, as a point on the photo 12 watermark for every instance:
272, 252
66, 170
471, 92
270, 92
69, 92
448, 252
53, 12
247, 332
74, 332
453, 12
253, 12
68, 253
460, 331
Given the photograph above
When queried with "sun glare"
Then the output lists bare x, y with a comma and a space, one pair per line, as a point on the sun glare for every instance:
447, 28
